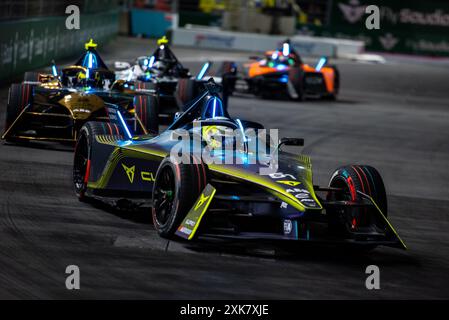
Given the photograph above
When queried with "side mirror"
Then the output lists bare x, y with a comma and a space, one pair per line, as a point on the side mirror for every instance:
298, 142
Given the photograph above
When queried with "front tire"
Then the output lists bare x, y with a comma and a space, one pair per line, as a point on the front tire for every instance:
351, 180
228, 72
175, 190
362, 178
20, 95
83, 152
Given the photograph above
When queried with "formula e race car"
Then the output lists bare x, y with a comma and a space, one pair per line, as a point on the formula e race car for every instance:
55, 106
282, 73
204, 176
164, 73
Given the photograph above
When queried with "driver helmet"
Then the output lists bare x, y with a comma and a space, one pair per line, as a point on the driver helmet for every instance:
81, 75
215, 136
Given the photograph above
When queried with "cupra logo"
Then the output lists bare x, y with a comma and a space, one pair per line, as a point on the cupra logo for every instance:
130, 172
200, 202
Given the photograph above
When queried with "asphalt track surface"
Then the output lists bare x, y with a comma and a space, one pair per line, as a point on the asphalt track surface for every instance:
393, 116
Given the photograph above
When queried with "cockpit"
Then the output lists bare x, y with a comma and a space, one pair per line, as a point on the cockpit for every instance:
208, 120
282, 57
163, 62
89, 71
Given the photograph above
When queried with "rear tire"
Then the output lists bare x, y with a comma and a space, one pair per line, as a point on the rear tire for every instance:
175, 190
147, 110
31, 76
83, 152
295, 84
186, 90
20, 95
334, 95
228, 73
227, 67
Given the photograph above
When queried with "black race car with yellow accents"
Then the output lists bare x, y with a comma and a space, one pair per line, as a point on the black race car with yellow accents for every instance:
210, 175
55, 106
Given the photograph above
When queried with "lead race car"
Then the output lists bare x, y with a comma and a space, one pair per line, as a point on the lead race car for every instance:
197, 197
283, 73
53, 107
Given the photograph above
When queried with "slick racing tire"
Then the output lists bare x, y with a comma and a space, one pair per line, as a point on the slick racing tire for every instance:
20, 95
186, 91
351, 179
227, 67
228, 74
147, 110
31, 76
83, 152
365, 179
175, 190
295, 84
144, 85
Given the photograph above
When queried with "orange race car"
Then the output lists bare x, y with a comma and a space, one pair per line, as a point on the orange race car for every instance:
283, 73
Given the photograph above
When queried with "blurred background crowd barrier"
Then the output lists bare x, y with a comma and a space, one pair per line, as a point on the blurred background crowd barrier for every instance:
33, 31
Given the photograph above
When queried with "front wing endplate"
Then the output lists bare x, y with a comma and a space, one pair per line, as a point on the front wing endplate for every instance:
189, 225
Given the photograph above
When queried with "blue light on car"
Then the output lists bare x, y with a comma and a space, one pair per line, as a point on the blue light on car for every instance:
128, 134
284, 78
90, 61
217, 107
54, 71
203, 71
87, 73
274, 56
286, 49
145, 62
85, 61
151, 62
320, 63
281, 67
